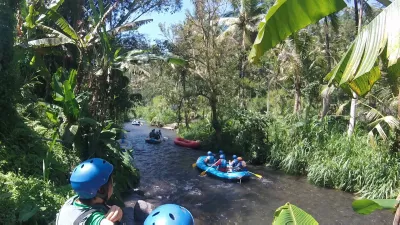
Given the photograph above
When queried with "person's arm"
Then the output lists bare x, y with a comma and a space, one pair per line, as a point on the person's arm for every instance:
113, 215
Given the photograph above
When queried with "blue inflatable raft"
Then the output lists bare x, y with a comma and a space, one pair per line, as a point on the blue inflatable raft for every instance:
213, 171
152, 141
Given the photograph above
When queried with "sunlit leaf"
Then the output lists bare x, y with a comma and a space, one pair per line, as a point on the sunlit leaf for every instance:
62, 24
287, 17
291, 214
48, 42
367, 206
358, 66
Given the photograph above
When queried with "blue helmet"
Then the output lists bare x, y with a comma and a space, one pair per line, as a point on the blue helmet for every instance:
221, 152
234, 157
169, 214
87, 178
222, 156
209, 153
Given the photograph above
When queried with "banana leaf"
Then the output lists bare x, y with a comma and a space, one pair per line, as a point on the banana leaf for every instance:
288, 16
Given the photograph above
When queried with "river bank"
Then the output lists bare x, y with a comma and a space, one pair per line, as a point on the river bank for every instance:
167, 177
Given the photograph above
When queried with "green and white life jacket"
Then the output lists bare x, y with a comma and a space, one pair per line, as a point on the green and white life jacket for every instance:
71, 214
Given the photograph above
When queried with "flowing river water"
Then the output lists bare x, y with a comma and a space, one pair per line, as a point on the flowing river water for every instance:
167, 176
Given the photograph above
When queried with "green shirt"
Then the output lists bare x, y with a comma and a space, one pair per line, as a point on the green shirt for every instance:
95, 218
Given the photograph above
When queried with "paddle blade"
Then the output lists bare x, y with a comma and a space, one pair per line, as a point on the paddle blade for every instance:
203, 173
194, 165
257, 175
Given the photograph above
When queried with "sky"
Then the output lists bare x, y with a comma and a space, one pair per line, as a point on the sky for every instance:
152, 29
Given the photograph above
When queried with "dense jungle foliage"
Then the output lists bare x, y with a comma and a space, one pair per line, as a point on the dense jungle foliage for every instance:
304, 106
64, 96
317, 94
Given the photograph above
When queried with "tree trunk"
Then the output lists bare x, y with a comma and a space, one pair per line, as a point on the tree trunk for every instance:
356, 13
353, 107
215, 122
242, 62
326, 97
353, 110
297, 94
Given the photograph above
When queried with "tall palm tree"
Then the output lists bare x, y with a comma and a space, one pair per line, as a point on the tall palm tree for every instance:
327, 92
242, 26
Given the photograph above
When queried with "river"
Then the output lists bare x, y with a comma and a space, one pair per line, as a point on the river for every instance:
167, 176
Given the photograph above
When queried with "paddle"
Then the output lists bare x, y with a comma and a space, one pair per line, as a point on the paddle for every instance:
194, 165
205, 171
257, 175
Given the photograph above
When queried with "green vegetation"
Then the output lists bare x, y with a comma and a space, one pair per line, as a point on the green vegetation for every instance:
65, 91
291, 214
287, 111
72, 71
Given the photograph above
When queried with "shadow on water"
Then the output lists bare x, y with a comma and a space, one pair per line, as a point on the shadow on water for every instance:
167, 176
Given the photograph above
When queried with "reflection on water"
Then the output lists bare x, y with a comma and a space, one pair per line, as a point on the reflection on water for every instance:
167, 176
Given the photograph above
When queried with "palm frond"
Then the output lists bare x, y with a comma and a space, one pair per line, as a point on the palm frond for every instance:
49, 42
358, 66
62, 24
228, 21
339, 111
129, 26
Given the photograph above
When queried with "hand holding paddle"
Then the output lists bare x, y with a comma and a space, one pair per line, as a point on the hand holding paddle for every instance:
205, 171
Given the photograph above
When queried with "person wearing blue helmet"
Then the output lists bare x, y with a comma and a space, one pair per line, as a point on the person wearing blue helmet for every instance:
169, 214
222, 163
234, 162
209, 160
93, 184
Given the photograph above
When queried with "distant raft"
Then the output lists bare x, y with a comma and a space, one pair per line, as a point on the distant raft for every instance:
152, 141
214, 172
186, 143
136, 123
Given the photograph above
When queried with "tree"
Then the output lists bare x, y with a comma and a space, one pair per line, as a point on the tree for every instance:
210, 61
243, 28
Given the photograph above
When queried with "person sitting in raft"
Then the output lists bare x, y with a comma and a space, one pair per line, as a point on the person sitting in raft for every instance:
159, 135
234, 162
152, 134
209, 160
220, 153
222, 164
93, 184
241, 166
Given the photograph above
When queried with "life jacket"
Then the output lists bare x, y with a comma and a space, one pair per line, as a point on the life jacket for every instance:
223, 164
210, 160
240, 166
235, 162
71, 214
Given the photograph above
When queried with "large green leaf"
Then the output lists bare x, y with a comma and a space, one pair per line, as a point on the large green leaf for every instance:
49, 42
287, 17
72, 78
62, 24
291, 214
71, 106
367, 206
58, 92
94, 11
358, 67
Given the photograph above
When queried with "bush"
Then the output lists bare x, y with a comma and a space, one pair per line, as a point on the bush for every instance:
29, 200
157, 113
